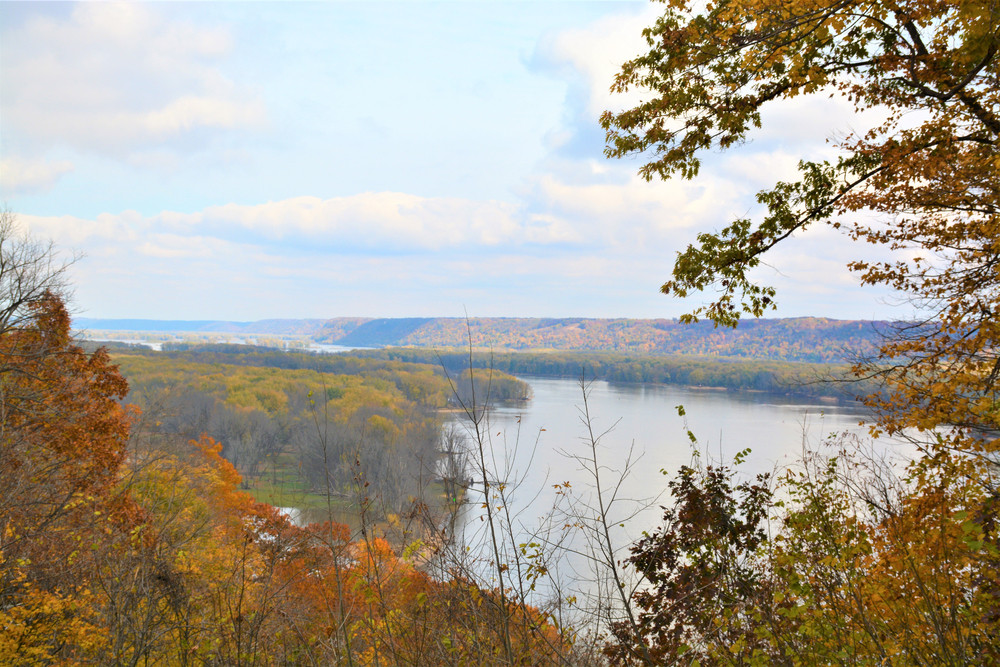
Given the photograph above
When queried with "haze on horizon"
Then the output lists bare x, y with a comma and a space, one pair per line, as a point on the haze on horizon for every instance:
246, 161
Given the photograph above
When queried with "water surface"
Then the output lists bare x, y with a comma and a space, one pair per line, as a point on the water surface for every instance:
535, 441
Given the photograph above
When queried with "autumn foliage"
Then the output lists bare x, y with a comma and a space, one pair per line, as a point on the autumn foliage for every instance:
124, 546
64, 441
120, 548
856, 564
834, 565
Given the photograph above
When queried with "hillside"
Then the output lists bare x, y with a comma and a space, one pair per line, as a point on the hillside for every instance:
805, 339
808, 339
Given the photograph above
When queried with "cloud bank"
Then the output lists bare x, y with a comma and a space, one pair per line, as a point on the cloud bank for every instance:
31, 176
117, 80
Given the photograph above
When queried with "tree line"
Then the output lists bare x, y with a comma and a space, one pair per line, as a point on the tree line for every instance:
426, 381
831, 380
274, 425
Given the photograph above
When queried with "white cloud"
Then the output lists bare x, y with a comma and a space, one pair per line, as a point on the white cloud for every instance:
18, 176
597, 53
586, 250
552, 213
106, 231
117, 78
633, 213
591, 57
379, 222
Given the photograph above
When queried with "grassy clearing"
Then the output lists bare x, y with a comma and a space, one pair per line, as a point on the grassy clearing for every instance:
283, 485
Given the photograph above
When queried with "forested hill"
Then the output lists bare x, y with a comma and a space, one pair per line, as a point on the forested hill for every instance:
807, 339
800, 339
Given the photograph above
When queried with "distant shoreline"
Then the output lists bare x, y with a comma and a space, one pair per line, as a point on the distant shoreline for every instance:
802, 339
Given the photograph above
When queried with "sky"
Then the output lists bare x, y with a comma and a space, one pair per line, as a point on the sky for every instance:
253, 160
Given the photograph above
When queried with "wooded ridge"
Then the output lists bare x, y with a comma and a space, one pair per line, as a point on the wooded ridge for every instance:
805, 339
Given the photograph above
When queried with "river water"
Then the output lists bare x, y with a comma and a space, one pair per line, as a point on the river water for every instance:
533, 444
644, 417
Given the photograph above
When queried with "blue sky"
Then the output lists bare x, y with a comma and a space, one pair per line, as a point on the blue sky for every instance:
244, 161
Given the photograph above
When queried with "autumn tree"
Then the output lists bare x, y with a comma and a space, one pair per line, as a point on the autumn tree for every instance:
63, 438
924, 179
29, 270
843, 563
706, 587
910, 577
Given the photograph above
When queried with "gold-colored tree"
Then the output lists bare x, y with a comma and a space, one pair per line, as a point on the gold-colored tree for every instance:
925, 179
908, 574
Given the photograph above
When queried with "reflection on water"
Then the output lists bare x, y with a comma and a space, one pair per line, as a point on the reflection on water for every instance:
645, 416
533, 445
536, 441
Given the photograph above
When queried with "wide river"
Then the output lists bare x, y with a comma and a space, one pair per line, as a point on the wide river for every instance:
645, 417
535, 442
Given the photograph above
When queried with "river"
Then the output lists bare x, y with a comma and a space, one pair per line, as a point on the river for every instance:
533, 443
644, 417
